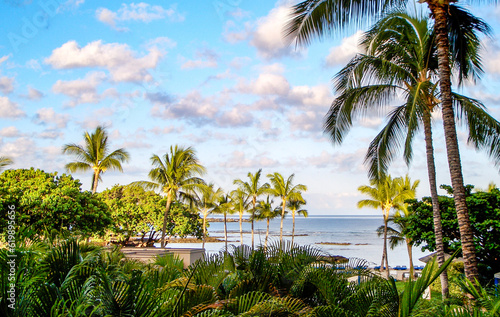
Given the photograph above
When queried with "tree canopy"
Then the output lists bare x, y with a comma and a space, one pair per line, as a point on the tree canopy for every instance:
484, 213
46, 202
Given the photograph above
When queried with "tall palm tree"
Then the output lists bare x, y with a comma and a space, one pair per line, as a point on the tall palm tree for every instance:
265, 210
95, 155
286, 191
176, 176
295, 207
400, 60
225, 206
208, 202
387, 194
396, 236
4, 161
241, 203
253, 189
317, 18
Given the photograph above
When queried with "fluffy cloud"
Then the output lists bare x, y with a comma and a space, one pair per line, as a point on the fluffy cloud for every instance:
348, 48
6, 84
307, 97
239, 159
206, 58
142, 12
118, 59
491, 57
81, 90
306, 121
10, 132
193, 107
34, 94
49, 116
268, 36
237, 116
266, 84
9, 109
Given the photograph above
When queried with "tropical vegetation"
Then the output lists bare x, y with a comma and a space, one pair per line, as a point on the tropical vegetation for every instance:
318, 18
176, 175
388, 194
95, 155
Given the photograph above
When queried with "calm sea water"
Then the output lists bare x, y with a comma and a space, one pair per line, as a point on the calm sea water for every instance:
358, 232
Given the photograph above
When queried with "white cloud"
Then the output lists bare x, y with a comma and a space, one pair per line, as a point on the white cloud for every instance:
193, 107
9, 109
6, 84
118, 59
49, 116
306, 121
4, 58
81, 90
268, 36
142, 12
340, 55
237, 116
206, 58
51, 134
234, 34
266, 84
316, 96
239, 62
34, 94
10, 132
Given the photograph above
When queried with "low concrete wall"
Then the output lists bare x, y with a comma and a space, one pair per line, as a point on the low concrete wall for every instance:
187, 255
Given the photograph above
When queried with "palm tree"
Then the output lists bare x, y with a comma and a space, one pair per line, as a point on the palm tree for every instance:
396, 236
265, 210
294, 206
400, 61
286, 191
208, 201
4, 161
253, 189
311, 18
241, 202
225, 206
387, 194
176, 176
95, 155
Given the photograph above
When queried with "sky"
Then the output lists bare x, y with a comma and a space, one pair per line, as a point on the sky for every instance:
213, 75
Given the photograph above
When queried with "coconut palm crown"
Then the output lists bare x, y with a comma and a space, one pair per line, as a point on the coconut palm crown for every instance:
175, 174
95, 155
286, 191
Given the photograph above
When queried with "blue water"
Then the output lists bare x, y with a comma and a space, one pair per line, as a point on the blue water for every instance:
358, 231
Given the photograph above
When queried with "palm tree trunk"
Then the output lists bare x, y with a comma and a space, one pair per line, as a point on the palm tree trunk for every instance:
241, 227
281, 224
436, 212
267, 234
409, 247
95, 180
384, 252
466, 235
165, 216
204, 228
225, 229
253, 214
293, 225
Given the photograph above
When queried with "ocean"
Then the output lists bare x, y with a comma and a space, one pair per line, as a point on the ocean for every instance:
353, 236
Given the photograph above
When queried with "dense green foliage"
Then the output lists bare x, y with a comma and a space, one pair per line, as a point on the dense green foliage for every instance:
67, 278
136, 211
484, 213
45, 202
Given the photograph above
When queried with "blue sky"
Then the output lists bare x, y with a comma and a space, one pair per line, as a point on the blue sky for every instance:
214, 75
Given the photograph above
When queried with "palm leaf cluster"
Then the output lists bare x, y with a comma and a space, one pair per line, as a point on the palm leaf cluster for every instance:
62, 277
95, 155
